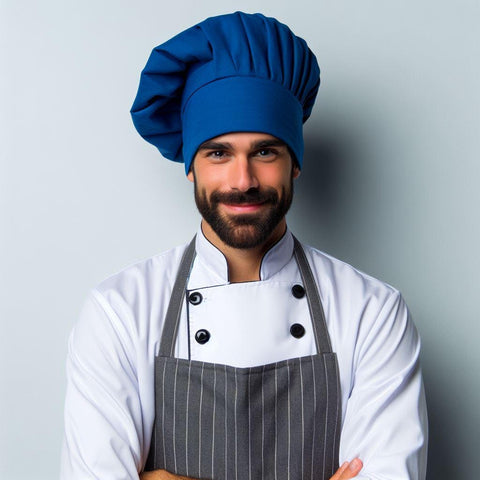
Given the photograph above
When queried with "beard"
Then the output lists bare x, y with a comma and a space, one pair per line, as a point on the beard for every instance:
247, 230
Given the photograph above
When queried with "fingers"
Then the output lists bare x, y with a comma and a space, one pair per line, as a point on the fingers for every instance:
348, 470
161, 475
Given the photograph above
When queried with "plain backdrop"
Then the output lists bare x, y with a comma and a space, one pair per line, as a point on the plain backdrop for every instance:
390, 184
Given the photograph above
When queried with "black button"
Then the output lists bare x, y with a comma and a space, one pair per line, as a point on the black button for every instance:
203, 336
297, 330
298, 291
195, 298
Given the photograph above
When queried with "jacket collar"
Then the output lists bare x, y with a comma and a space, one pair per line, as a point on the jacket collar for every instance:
212, 259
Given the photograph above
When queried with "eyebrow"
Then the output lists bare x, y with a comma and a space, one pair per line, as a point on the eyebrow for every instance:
268, 143
211, 145
214, 146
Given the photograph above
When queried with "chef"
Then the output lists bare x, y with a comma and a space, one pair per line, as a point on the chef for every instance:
242, 354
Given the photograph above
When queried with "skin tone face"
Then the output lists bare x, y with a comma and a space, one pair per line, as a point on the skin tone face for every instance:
243, 186
243, 189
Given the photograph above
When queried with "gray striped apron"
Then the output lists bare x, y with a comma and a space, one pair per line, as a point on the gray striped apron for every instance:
275, 422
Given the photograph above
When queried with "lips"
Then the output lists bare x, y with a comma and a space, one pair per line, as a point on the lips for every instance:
243, 207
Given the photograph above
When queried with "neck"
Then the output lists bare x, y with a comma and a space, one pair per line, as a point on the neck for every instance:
244, 263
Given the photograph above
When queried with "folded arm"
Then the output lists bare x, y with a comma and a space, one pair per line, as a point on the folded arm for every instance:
385, 421
347, 471
103, 412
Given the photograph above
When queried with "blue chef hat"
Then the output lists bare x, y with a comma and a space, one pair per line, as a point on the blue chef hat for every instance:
231, 73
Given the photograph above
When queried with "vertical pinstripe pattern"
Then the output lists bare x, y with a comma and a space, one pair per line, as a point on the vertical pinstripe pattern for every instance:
331, 366
303, 419
249, 431
186, 419
277, 421
263, 424
313, 436
289, 450
213, 418
226, 424
200, 427
236, 433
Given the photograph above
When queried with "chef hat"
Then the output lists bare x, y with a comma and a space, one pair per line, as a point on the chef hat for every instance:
231, 73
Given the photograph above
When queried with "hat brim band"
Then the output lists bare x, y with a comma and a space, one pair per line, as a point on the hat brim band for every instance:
241, 104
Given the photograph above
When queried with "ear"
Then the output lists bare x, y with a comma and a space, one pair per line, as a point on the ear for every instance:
296, 172
190, 175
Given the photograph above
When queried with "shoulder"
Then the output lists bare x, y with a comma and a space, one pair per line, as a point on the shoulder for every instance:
364, 314
133, 300
336, 274
140, 278
353, 299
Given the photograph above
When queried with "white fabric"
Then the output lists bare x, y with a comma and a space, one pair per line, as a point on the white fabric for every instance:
109, 409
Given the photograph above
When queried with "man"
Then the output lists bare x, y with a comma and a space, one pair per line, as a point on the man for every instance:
243, 354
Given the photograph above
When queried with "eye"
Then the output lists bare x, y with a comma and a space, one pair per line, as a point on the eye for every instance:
266, 153
217, 154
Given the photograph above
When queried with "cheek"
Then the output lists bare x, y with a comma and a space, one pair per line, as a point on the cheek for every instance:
275, 178
213, 179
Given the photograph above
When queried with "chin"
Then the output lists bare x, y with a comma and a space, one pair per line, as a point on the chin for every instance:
244, 236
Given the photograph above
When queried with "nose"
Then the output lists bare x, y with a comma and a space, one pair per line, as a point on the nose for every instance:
242, 174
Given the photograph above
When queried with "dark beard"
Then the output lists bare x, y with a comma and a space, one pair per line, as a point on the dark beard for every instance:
245, 230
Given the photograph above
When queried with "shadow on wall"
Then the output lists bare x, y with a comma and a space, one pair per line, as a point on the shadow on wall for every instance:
323, 192
441, 463
330, 201
325, 166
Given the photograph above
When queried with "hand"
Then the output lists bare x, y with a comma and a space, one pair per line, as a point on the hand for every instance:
348, 470
345, 472
164, 475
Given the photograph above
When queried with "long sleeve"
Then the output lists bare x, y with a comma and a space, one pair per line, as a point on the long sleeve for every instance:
385, 421
103, 414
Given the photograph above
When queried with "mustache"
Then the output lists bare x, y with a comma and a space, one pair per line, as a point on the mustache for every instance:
254, 195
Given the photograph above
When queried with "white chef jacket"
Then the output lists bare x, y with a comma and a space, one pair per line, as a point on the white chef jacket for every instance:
109, 407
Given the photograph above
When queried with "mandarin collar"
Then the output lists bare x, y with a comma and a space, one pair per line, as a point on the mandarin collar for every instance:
215, 261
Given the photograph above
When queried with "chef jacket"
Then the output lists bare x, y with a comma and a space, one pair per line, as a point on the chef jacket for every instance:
109, 407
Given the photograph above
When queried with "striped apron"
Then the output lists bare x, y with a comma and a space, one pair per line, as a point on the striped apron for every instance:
273, 422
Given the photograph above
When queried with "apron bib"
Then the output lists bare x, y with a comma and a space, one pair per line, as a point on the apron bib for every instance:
273, 422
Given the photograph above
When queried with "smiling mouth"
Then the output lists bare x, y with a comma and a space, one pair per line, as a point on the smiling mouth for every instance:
244, 207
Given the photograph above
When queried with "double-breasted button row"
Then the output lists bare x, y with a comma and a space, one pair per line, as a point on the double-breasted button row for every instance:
195, 298
203, 336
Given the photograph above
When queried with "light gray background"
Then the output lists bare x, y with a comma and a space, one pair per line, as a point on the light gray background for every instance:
390, 185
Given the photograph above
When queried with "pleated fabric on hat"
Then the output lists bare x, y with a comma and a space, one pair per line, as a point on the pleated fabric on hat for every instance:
230, 73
